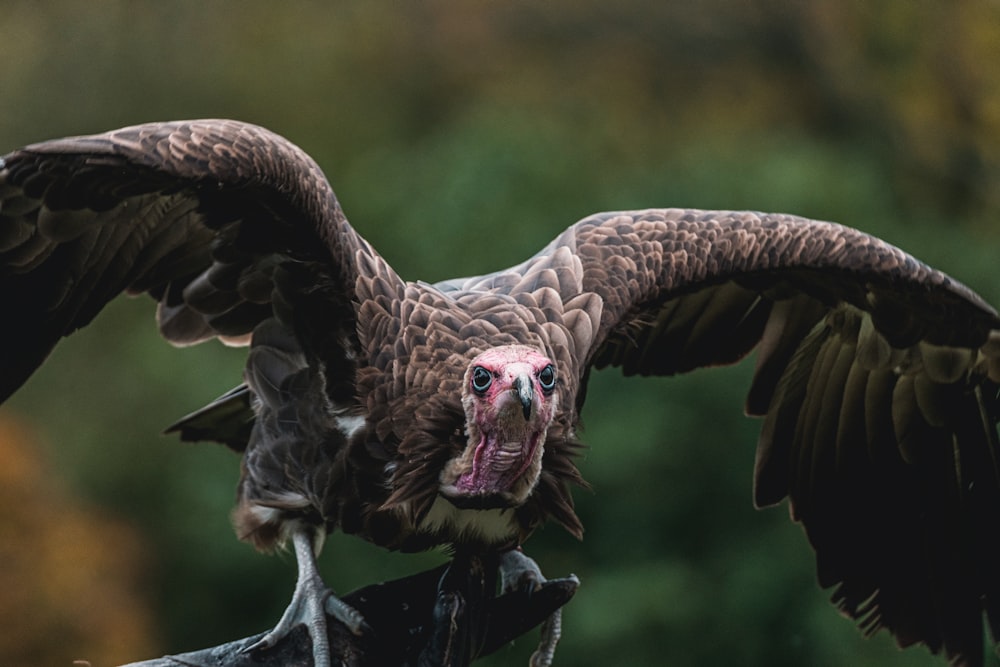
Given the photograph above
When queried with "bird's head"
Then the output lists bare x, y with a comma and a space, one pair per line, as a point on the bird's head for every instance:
510, 397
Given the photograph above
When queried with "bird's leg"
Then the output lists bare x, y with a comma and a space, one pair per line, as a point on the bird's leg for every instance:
310, 604
518, 571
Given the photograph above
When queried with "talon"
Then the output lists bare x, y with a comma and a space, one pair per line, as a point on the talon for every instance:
519, 571
264, 642
311, 602
346, 614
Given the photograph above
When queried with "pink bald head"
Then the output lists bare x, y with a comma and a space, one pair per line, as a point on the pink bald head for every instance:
510, 398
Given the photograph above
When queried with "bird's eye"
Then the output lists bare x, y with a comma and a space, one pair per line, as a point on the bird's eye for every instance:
481, 379
547, 378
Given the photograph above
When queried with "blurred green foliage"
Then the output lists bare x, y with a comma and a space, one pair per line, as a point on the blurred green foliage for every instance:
460, 137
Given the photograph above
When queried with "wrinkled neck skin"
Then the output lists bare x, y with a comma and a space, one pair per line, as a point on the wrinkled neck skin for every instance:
502, 460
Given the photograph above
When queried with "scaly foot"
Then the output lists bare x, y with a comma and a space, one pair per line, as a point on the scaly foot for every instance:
311, 602
519, 572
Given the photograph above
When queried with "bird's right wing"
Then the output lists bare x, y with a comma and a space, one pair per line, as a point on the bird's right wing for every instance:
196, 213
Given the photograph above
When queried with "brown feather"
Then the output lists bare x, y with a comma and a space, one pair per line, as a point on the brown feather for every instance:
774, 459
789, 322
851, 437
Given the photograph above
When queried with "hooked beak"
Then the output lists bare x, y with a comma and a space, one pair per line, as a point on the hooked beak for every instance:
525, 391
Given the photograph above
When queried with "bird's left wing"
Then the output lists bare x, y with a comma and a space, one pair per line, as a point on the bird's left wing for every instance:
197, 213
876, 376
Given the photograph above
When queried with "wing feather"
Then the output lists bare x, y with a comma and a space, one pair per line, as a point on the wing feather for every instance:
193, 212
867, 362
851, 424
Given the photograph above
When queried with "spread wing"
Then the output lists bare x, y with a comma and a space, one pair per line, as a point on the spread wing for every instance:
199, 214
875, 375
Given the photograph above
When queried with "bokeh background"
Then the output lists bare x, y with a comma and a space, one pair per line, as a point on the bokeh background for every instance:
460, 137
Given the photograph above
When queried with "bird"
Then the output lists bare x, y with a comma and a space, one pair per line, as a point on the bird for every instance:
414, 414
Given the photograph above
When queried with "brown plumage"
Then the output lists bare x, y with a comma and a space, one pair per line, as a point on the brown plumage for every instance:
876, 375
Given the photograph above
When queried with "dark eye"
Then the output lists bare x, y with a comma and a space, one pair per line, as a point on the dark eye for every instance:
547, 378
481, 379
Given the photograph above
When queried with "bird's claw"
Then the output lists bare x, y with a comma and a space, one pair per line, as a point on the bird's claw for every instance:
519, 572
308, 610
264, 643
311, 610
346, 614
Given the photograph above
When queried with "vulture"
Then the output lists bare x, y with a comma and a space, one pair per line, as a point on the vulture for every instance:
415, 414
